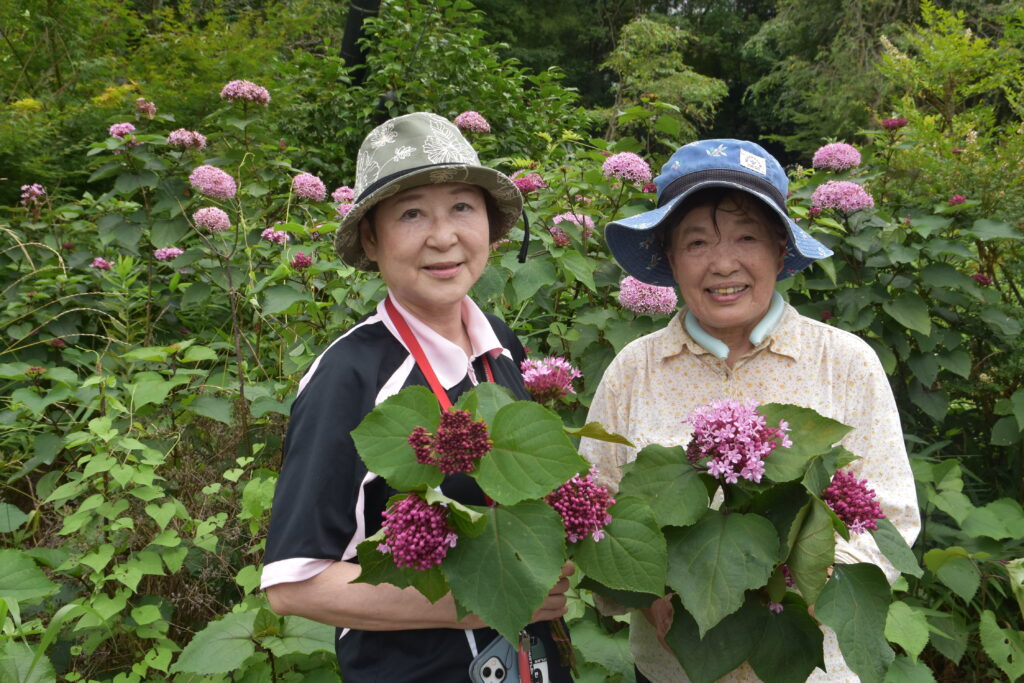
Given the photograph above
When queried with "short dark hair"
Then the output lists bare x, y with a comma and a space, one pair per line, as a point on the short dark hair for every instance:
714, 197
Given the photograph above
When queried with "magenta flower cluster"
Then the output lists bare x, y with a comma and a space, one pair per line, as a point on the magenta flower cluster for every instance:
734, 439
100, 263
836, 156
343, 208
549, 379
343, 194
894, 123
957, 199
417, 534
276, 236
457, 446
308, 186
853, 502
530, 182
841, 195
300, 261
982, 279
585, 222
246, 91
627, 166
559, 236
212, 218
186, 138
213, 182
641, 297
583, 505
472, 122
167, 253
145, 107
120, 130
32, 195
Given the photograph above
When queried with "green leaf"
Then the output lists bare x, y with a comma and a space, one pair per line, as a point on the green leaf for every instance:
905, 670
911, 311
531, 456
895, 548
855, 603
713, 562
1005, 647
279, 298
1000, 322
816, 435
812, 549
907, 627
790, 644
949, 634
1000, 519
150, 392
953, 567
957, 361
301, 636
11, 518
376, 568
485, 400
610, 650
935, 404
127, 183
632, 554
1015, 571
531, 276
986, 229
707, 657
1017, 401
214, 407
581, 267
1005, 432
161, 514
821, 470
782, 505
21, 579
382, 438
665, 479
525, 549
594, 430
195, 354
219, 648
195, 294
19, 663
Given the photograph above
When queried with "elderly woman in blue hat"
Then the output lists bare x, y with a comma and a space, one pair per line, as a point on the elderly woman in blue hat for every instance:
425, 216
722, 234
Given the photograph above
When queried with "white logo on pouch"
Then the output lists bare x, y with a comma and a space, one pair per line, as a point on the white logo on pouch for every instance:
753, 162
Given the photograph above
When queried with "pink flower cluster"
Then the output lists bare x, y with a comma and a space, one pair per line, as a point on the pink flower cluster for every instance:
300, 261
213, 182
641, 297
457, 446
472, 122
734, 439
841, 195
120, 130
343, 194
549, 379
530, 182
32, 195
186, 138
982, 279
245, 90
585, 222
417, 534
212, 218
560, 238
583, 505
853, 502
894, 123
145, 107
167, 253
836, 156
308, 186
957, 199
343, 208
272, 234
101, 263
627, 166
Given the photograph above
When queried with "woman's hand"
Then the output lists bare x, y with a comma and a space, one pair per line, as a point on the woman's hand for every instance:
554, 604
660, 616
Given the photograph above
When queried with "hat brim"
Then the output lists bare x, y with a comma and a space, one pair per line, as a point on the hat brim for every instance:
507, 199
634, 241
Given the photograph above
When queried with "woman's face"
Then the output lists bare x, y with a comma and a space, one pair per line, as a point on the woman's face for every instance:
431, 245
726, 276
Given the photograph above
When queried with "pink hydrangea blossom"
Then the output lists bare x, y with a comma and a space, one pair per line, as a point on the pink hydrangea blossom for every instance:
472, 122
101, 263
583, 505
559, 236
650, 188
343, 194
145, 107
836, 156
550, 378
530, 182
300, 261
186, 138
841, 195
957, 199
212, 218
213, 182
167, 253
732, 439
308, 186
457, 446
894, 123
32, 195
853, 502
246, 91
585, 222
641, 297
343, 208
120, 130
272, 234
627, 166
417, 534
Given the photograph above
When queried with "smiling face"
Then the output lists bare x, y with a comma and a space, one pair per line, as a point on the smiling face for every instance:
725, 261
431, 244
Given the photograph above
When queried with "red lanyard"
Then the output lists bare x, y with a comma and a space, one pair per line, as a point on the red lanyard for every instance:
422, 361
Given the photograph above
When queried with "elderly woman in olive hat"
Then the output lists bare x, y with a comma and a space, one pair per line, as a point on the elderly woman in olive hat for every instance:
425, 216
722, 234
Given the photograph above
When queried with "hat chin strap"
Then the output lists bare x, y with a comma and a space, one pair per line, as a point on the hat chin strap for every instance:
718, 348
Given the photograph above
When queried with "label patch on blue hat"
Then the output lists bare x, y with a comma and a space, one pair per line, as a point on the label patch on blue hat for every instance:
753, 162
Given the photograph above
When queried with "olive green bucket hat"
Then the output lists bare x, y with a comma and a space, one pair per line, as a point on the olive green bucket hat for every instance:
414, 150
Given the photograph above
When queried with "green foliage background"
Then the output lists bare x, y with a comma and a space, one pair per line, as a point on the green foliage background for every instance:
143, 408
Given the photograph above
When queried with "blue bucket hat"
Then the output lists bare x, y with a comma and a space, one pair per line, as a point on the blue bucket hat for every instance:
736, 164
